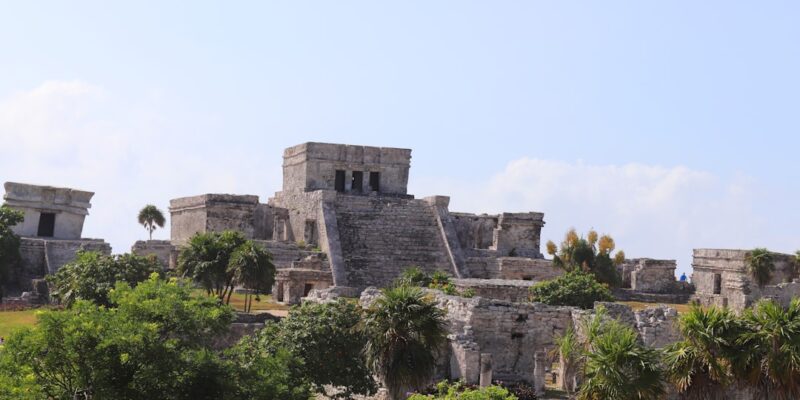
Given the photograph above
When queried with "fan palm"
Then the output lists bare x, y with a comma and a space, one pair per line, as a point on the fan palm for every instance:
699, 365
771, 364
404, 332
151, 217
759, 264
252, 268
620, 368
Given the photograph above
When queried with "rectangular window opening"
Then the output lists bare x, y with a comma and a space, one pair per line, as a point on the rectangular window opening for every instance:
358, 181
339, 183
307, 289
375, 181
717, 283
47, 224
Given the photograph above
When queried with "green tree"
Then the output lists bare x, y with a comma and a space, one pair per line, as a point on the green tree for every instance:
254, 373
206, 258
9, 243
575, 288
325, 337
404, 331
619, 367
769, 350
591, 254
699, 366
252, 268
760, 265
151, 217
457, 391
151, 344
92, 275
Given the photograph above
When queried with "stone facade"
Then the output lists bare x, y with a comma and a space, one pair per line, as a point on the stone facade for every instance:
721, 278
162, 250
50, 233
219, 212
50, 212
653, 276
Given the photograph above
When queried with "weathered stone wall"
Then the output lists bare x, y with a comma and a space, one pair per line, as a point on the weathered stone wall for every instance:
163, 250
220, 212
70, 207
295, 283
721, 278
519, 234
312, 166
483, 264
515, 291
475, 231
41, 257
653, 276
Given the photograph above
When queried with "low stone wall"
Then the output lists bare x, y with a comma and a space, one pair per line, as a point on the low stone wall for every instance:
653, 276
41, 257
163, 250
515, 291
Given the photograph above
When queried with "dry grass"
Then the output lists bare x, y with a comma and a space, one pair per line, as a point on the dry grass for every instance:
638, 305
11, 320
266, 303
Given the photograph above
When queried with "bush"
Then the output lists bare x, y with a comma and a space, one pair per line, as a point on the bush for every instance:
591, 254
323, 336
93, 275
577, 289
458, 391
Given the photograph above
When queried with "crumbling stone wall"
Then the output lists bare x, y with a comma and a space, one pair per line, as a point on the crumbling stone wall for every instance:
40, 257
721, 278
515, 291
162, 250
653, 276
292, 284
475, 231
518, 235
217, 213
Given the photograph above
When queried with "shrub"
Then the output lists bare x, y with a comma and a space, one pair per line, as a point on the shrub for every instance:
760, 265
414, 276
577, 289
458, 391
591, 254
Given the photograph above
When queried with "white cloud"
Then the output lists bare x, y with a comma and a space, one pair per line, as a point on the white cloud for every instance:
652, 211
78, 135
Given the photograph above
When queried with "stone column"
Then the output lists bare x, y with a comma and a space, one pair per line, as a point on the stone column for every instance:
486, 369
539, 366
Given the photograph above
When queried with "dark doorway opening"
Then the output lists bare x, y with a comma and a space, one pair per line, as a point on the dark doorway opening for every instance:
358, 181
717, 283
47, 225
339, 182
307, 289
375, 181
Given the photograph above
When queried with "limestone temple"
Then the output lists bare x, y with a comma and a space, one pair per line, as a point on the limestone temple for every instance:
344, 223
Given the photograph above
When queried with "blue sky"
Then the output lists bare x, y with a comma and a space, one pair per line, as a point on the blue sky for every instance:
670, 125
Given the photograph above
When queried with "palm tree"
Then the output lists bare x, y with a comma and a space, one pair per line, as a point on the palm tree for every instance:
699, 366
252, 268
569, 354
619, 367
205, 260
771, 362
404, 332
760, 266
151, 217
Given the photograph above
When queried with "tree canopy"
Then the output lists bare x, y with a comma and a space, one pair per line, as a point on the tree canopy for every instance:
9, 242
92, 275
575, 288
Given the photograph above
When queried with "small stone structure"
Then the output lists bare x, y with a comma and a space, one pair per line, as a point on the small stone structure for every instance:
162, 250
721, 278
50, 233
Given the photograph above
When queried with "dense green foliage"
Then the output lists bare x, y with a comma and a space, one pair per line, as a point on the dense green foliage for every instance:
457, 391
618, 366
575, 288
438, 280
221, 261
404, 331
9, 242
591, 254
151, 217
92, 275
760, 265
699, 365
325, 337
154, 343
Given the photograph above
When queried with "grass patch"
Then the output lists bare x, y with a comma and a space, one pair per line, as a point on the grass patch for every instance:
12, 320
638, 305
266, 303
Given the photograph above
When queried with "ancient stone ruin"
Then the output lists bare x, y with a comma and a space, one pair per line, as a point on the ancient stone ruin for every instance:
50, 233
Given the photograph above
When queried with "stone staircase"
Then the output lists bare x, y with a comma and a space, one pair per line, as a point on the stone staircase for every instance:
381, 236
